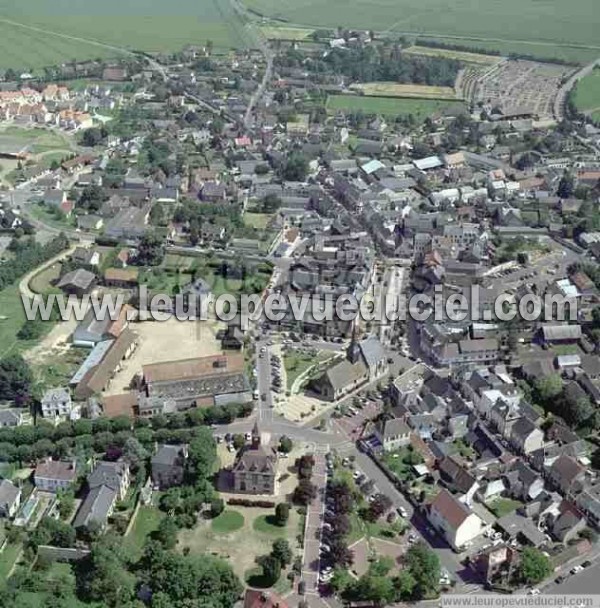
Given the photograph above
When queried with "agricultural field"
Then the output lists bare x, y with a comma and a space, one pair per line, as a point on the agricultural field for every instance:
393, 89
586, 95
552, 24
541, 50
35, 33
419, 108
476, 58
274, 32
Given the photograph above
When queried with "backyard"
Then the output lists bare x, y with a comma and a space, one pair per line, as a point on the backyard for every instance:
503, 506
147, 520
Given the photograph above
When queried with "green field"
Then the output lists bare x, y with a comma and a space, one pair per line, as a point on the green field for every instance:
587, 94
36, 33
549, 22
419, 108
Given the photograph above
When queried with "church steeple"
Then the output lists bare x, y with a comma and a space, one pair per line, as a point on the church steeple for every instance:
255, 436
353, 352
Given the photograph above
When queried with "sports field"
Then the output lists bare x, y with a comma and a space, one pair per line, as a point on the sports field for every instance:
393, 89
389, 106
550, 23
587, 95
36, 33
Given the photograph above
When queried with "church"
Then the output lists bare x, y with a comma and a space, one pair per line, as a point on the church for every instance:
365, 362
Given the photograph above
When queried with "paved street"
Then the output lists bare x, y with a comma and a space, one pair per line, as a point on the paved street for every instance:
312, 538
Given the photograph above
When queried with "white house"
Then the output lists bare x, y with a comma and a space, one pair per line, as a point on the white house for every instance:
393, 434
454, 520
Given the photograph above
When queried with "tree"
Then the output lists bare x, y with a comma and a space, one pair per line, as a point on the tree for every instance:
92, 137
305, 492
182, 581
378, 506
134, 452
202, 455
270, 204
92, 197
548, 387
285, 445
238, 441
166, 533
66, 502
151, 250
424, 566
566, 186
295, 168
282, 513
16, 379
282, 552
271, 569
404, 584
216, 507
534, 566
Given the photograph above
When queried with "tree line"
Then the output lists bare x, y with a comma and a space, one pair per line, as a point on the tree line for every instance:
29, 255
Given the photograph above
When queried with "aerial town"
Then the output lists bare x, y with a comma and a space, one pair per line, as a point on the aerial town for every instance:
295, 460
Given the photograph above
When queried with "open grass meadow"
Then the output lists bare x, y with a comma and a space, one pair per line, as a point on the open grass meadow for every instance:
543, 26
587, 94
393, 89
390, 106
476, 58
37, 33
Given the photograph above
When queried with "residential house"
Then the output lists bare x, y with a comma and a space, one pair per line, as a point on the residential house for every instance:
10, 499
53, 475
258, 598
392, 433
567, 474
457, 479
56, 404
77, 282
107, 484
168, 466
525, 436
569, 522
457, 523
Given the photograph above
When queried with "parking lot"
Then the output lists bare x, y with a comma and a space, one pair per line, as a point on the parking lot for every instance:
352, 423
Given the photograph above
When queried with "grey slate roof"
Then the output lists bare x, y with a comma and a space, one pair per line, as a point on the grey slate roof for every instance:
8, 494
96, 506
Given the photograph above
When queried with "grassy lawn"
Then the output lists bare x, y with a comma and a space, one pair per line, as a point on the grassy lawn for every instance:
242, 545
12, 318
42, 282
566, 349
8, 557
296, 363
401, 462
228, 521
503, 506
419, 108
51, 216
160, 281
393, 89
62, 367
266, 524
257, 220
477, 58
587, 92
285, 33
146, 522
